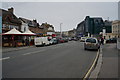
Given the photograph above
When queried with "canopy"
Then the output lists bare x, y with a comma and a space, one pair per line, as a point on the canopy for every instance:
13, 32
28, 32
16, 32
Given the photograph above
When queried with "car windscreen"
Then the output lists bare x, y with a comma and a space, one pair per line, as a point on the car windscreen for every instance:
91, 40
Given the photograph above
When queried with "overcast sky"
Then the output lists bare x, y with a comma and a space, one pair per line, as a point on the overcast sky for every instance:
68, 13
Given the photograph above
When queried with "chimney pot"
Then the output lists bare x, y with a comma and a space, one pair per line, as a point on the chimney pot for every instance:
11, 9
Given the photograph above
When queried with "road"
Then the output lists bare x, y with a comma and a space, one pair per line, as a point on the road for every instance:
66, 60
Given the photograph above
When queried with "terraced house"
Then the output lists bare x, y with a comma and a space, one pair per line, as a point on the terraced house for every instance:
9, 20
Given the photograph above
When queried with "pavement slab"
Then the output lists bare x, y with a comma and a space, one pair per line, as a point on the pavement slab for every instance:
109, 67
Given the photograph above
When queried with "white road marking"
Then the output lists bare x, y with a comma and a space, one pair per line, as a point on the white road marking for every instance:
33, 52
55, 47
4, 58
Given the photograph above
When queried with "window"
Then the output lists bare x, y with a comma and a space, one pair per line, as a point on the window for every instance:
91, 40
4, 26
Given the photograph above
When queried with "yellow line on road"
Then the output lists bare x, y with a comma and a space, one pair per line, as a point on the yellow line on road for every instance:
89, 71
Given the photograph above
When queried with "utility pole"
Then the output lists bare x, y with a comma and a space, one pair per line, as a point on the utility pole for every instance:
61, 29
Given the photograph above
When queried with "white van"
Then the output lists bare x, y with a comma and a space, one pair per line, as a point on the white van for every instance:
45, 41
39, 41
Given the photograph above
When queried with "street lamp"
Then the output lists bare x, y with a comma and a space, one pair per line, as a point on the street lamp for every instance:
61, 29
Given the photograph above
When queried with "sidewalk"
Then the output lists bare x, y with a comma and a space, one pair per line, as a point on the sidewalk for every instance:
109, 68
9, 49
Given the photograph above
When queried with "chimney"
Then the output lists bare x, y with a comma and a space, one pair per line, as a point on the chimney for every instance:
11, 9
35, 20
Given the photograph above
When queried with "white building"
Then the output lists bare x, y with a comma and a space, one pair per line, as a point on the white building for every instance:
24, 27
116, 28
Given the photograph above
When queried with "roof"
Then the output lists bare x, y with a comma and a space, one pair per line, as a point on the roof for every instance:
28, 32
81, 23
11, 16
25, 20
29, 22
16, 32
13, 31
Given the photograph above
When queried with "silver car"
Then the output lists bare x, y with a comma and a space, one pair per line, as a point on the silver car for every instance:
91, 43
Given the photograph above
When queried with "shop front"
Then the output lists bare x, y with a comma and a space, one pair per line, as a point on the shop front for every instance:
14, 38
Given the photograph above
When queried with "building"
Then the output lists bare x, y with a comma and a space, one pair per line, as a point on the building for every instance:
107, 29
80, 31
47, 29
108, 26
116, 28
71, 33
90, 25
65, 33
58, 33
9, 20
93, 25
24, 26
32, 25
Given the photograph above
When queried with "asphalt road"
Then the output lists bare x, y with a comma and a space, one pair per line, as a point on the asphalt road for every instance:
66, 60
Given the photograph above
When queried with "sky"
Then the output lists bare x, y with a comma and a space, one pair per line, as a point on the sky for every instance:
67, 13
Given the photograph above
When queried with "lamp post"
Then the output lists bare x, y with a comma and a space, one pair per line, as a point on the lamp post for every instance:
61, 29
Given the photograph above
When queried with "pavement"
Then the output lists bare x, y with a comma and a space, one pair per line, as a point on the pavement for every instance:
110, 56
9, 49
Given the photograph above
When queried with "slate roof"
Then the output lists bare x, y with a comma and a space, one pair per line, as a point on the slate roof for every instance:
12, 18
29, 22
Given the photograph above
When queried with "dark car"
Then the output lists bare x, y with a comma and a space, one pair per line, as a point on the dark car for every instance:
61, 40
111, 40
74, 39
65, 39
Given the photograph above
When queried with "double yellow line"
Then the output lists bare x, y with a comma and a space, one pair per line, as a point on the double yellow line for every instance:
91, 68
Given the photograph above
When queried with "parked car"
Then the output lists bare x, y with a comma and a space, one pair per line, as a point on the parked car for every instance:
65, 39
91, 43
82, 39
69, 39
53, 41
61, 40
74, 39
111, 40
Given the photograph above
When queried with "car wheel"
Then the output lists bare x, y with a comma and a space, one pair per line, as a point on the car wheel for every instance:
85, 49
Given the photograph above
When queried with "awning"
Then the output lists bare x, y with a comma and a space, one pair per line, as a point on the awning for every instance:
16, 32
13, 32
28, 32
